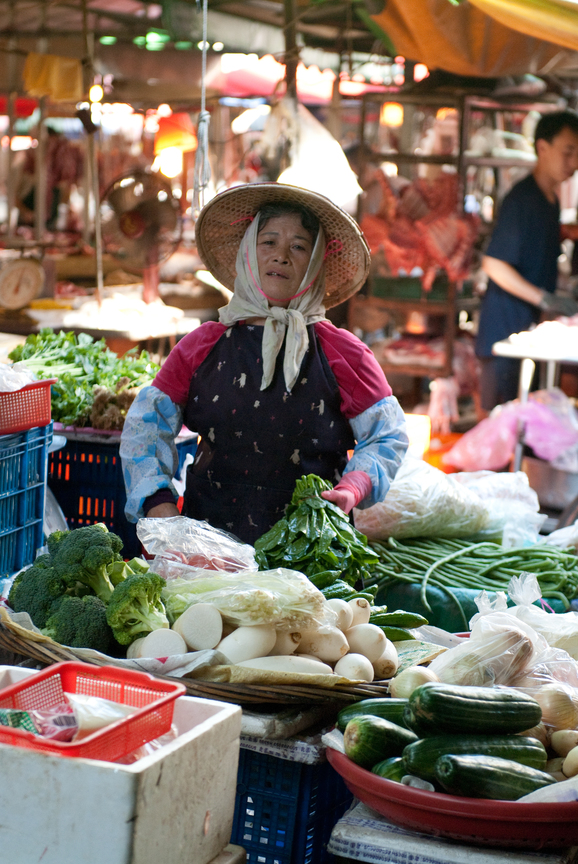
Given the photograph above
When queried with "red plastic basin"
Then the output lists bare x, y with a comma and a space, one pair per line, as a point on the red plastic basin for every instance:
474, 820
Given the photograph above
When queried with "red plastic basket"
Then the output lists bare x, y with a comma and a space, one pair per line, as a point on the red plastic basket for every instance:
474, 820
25, 408
154, 699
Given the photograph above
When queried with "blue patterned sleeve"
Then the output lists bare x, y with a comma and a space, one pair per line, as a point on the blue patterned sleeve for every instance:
147, 448
382, 441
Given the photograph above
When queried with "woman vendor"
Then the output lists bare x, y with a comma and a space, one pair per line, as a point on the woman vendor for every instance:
274, 390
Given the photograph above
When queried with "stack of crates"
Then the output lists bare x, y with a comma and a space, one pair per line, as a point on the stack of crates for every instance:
85, 476
288, 800
23, 462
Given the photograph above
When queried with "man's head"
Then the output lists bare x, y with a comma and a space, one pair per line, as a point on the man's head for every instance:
556, 143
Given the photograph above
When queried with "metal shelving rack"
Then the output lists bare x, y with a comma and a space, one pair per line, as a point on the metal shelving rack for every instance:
464, 105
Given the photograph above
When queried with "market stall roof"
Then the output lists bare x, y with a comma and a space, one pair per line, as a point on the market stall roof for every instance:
488, 38
151, 48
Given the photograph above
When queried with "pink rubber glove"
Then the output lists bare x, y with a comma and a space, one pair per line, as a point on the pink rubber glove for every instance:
351, 489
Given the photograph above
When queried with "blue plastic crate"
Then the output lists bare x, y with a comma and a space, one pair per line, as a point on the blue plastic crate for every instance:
285, 811
86, 479
23, 461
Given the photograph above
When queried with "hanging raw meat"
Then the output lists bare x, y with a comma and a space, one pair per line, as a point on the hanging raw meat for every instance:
421, 227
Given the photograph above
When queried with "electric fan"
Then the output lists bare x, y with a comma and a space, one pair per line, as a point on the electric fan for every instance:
141, 225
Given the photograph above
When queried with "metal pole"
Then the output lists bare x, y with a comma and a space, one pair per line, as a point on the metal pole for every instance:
93, 150
291, 50
10, 185
40, 177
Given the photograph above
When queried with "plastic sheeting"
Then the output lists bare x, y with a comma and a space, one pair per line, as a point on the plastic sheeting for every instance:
465, 40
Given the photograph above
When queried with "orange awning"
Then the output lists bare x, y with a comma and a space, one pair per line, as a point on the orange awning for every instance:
466, 41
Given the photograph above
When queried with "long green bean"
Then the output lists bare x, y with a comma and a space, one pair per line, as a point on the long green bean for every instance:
457, 563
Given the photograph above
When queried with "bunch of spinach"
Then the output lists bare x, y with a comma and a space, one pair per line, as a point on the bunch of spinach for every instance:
80, 363
316, 538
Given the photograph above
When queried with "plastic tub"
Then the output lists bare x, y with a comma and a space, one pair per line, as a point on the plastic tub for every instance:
475, 820
153, 698
22, 409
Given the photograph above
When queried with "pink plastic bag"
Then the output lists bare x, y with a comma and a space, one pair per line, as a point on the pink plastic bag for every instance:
490, 445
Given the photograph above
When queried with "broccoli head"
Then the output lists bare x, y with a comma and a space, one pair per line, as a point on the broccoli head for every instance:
136, 608
53, 541
84, 554
34, 591
80, 622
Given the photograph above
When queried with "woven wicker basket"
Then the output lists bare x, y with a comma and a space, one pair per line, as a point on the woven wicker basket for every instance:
47, 652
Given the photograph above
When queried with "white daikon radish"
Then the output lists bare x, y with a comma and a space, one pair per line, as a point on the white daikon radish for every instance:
354, 666
201, 626
162, 643
326, 643
386, 665
133, 648
286, 643
228, 628
409, 679
292, 663
244, 643
367, 639
344, 613
361, 610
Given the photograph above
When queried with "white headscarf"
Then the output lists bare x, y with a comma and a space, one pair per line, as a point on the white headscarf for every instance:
248, 302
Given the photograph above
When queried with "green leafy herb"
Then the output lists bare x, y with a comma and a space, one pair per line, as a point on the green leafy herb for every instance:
80, 363
316, 538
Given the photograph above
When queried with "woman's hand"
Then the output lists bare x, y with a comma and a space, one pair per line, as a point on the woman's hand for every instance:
163, 511
351, 489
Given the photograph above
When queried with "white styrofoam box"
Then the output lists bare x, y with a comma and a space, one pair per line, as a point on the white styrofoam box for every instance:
231, 854
364, 835
13, 674
175, 806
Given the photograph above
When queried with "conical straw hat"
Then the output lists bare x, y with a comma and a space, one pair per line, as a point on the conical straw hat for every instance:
224, 220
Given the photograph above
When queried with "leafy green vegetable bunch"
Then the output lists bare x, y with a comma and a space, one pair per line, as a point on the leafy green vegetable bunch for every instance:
316, 538
80, 363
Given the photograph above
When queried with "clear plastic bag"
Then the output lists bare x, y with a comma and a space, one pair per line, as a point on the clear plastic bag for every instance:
500, 650
564, 537
94, 712
150, 747
14, 378
512, 505
559, 631
284, 598
423, 501
195, 543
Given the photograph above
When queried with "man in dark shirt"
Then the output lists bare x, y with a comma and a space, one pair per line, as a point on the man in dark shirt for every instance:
522, 257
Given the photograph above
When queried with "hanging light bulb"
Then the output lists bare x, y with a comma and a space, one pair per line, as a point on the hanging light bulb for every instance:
96, 93
170, 161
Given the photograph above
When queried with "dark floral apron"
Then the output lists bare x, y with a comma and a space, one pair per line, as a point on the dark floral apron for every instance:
255, 444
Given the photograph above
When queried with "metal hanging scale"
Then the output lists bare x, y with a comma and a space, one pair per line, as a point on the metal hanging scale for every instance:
21, 282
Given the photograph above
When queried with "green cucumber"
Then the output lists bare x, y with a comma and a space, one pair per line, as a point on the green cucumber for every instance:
368, 740
339, 590
420, 757
439, 709
488, 777
324, 579
386, 707
396, 634
399, 618
390, 769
